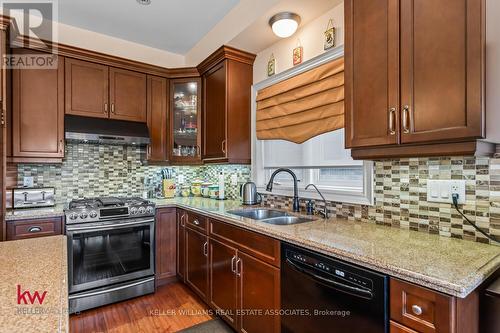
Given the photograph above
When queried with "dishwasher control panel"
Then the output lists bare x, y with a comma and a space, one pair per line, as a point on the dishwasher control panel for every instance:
330, 267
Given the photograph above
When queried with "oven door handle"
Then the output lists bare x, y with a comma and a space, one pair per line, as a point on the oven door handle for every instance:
107, 226
331, 283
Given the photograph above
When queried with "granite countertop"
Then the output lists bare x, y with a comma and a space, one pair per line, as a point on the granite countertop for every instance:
37, 264
30, 213
453, 266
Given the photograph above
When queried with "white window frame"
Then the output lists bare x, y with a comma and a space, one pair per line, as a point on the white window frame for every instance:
260, 174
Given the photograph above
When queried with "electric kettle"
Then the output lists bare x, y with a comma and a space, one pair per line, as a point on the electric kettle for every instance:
249, 195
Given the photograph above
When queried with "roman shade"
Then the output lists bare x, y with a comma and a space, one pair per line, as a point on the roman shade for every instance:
303, 106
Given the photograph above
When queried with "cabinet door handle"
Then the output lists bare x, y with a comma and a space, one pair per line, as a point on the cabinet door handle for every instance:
205, 249
223, 146
196, 222
392, 121
417, 310
113, 108
35, 229
238, 267
233, 264
106, 108
183, 223
406, 116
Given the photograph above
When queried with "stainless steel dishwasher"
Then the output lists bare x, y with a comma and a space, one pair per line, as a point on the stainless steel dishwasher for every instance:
322, 294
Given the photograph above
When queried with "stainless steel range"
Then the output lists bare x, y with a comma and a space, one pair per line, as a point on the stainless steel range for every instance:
110, 250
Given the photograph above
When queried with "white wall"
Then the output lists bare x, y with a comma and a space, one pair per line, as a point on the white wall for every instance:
311, 38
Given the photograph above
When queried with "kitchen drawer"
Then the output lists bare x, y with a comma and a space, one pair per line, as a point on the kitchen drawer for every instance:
22, 229
421, 309
398, 328
197, 222
262, 247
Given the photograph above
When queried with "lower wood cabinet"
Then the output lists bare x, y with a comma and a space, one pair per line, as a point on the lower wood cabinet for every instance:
259, 292
181, 245
197, 262
165, 234
235, 271
417, 309
22, 229
223, 280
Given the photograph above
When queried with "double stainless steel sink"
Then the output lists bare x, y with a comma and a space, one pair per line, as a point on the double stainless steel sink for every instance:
271, 216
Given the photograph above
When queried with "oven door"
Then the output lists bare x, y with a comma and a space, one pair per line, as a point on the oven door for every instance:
106, 253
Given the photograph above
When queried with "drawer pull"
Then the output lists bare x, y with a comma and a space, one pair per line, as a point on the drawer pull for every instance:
34, 229
417, 310
196, 222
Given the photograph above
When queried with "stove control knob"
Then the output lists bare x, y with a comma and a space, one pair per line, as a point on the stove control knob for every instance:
142, 210
93, 214
73, 216
149, 209
83, 215
133, 210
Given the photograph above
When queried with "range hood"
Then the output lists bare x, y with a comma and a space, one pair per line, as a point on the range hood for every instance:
105, 131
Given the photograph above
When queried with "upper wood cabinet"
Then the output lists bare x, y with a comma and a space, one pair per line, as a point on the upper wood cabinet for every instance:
38, 112
95, 90
227, 77
127, 95
442, 73
87, 87
414, 75
157, 115
185, 121
371, 72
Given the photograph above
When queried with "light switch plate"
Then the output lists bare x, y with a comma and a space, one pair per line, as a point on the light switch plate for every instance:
442, 190
180, 179
28, 182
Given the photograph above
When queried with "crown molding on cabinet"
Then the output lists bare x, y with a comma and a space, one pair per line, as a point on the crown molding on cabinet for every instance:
225, 52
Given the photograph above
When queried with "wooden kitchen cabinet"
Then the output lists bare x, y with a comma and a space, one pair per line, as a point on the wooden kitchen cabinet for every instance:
87, 89
127, 95
38, 112
258, 288
100, 91
157, 116
185, 121
181, 245
418, 309
414, 85
165, 235
23, 229
223, 280
197, 262
227, 77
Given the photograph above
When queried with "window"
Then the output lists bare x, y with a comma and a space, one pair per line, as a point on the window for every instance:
322, 161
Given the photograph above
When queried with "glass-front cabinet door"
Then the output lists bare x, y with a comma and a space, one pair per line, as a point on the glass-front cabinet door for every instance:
185, 120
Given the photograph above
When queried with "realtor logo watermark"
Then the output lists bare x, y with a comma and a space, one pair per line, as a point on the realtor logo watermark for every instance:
33, 28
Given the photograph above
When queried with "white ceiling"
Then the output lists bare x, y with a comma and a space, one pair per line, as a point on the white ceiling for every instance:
171, 25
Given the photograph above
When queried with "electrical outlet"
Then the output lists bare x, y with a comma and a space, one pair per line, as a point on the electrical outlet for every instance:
234, 179
28, 182
180, 179
442, 190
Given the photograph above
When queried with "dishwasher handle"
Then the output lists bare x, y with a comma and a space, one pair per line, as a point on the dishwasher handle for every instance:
331, 283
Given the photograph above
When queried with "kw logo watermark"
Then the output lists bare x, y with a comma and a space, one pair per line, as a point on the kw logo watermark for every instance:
26, 297
33, 27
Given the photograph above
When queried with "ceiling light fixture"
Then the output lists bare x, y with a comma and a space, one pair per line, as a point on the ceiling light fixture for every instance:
144, 2
284, 24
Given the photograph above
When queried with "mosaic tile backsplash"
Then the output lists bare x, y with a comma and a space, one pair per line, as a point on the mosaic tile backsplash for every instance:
401, 197
400, 187
90, 170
